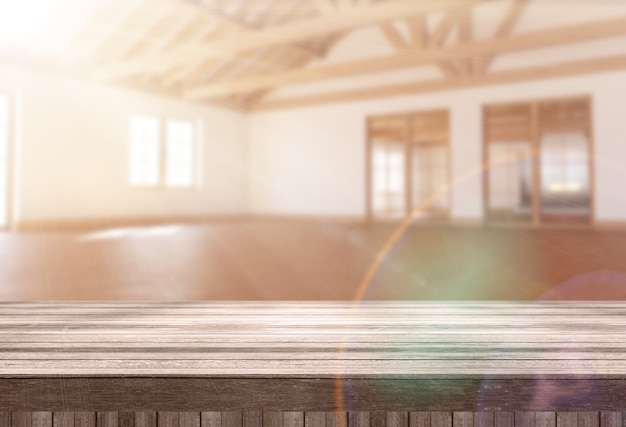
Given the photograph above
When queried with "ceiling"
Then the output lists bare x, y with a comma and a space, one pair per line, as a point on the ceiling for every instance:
266, 54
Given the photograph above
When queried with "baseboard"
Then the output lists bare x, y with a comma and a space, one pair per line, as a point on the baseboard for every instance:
339, 219
99, 223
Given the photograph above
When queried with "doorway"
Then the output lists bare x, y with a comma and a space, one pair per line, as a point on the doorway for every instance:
538, 162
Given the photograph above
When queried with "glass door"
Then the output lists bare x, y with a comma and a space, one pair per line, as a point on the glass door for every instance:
388, 165
565, 162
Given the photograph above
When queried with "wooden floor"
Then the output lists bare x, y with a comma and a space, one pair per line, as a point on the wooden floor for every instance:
311, 260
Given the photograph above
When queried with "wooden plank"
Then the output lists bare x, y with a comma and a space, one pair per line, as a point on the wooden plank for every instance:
192, 419
566, 419
293, 419
232, 419
378, 419
504, 419
21, 419
252, 419
525, 419
463, 419
610, 419
358, 419
168, 419
510, 44
484, 419
545, 419
106, 419
5, 419
64, 419
419, 419
146, 419
211, 419
336, 419
126, 419
318, 419
588, 419
88, 419
398, 419
41, 419
440, 419
273, 419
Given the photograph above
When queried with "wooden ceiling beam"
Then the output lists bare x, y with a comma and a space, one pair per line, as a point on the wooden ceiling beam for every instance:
466, 35
537, 39
417, 28
564, 69
504, 29
393, 36
338, 21
190, 72
439, 36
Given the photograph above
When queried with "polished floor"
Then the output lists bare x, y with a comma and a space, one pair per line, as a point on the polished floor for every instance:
311, 260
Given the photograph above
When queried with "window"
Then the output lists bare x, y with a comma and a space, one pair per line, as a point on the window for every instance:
409, 168
179, 154
144, 151
388, 178
538, 157
162, 154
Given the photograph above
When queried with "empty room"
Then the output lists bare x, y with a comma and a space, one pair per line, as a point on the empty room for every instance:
312, 213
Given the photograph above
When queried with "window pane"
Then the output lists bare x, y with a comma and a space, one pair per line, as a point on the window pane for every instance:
180, 142
144, 150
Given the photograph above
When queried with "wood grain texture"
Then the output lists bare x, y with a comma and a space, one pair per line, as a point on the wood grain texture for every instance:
321, 340
311, 418
268, 364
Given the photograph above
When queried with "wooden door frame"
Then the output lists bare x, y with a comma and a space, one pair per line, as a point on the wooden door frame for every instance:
535, 143
408, 145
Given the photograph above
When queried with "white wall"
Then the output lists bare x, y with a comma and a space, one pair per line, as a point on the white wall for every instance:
312, 160
72, 152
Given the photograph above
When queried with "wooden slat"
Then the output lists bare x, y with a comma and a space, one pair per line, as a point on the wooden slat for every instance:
359, 419
441, 419
191, 419
397, 419
484, 419
318, 419
146, 419
232, 419
504, 419
211, 419
252, 419
126, 419
545, 419
566, 419
21, 419
611, 419
107, 419
65, 419
463, 419
588, 419
419, 419
88, 419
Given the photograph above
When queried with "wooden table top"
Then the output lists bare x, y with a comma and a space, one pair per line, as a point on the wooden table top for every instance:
314, 339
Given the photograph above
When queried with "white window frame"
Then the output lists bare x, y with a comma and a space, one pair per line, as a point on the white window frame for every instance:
195, 162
